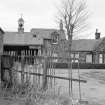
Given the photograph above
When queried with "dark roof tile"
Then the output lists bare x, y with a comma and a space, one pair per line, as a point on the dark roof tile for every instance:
14, 38
84, 44
46, 33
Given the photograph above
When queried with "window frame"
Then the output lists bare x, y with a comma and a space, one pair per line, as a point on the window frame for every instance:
100, 58
76, 55
55, 37
87, 61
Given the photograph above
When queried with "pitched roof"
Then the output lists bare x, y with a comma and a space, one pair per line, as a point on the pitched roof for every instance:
82, 44
14, 38
26, 38
46, 33
85, 44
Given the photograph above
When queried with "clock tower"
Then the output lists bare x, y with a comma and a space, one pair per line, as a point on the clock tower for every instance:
21, 25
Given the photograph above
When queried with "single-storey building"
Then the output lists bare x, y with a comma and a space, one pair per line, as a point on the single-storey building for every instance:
45, 41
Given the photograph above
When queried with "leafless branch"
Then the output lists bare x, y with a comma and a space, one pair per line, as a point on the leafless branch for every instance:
74, 15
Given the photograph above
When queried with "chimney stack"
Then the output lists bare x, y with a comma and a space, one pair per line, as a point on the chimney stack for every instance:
61, 25
97, 34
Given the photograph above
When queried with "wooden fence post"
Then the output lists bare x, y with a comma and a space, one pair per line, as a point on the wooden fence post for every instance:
1, 49
22, 68
45, 73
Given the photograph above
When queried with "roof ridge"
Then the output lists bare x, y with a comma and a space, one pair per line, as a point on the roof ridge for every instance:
15, 32
44, 29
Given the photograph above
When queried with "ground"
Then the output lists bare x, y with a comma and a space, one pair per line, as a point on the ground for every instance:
10, 102
93, 91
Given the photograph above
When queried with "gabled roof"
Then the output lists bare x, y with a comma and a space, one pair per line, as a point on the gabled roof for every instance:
46, 33
81, 44
100, 46
26, 38
85, 44
14, 38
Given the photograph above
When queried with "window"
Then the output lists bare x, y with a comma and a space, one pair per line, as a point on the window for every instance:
55, 37
89, 58
34, 35
73, 56
100, 58
77, 57
55, 55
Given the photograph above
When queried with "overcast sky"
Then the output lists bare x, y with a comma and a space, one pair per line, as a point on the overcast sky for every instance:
41, 14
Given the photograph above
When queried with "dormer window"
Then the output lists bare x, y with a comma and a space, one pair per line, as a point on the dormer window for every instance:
34, 35
55, 37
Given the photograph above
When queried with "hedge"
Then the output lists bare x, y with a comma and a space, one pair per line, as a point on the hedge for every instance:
80, 65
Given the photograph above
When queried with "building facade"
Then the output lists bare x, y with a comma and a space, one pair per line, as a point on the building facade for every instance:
35, 42
53, 41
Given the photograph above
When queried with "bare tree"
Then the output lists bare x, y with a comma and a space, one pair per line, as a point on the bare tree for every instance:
73, 15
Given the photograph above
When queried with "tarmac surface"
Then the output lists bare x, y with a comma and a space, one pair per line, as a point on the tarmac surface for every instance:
93, 91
